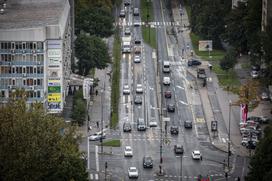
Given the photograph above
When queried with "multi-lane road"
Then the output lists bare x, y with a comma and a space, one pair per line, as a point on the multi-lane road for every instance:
187, 107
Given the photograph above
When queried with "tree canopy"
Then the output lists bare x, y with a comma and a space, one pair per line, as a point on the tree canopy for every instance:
92, 52
260, 167
37, 146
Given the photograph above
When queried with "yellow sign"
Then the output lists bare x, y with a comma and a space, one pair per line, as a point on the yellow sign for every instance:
54, 97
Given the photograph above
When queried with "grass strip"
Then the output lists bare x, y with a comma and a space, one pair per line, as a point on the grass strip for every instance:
149, 36
115, 86
147, 11
112, 143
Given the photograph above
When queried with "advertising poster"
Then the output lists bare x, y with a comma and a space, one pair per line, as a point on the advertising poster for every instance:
54, 96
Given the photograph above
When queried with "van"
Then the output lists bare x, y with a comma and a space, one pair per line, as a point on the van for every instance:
141, 124
166, 67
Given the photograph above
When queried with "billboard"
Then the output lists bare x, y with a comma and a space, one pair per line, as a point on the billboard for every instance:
205, 45
54, 98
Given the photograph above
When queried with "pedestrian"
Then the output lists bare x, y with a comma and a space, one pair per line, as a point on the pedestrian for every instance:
97, 124
96, 92
238, 178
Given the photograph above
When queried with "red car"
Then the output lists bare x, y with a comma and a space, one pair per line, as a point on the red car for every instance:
167, 94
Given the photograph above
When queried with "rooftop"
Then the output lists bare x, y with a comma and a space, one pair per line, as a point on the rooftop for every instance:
31, 13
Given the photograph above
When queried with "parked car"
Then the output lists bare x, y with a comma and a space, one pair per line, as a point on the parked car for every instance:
265, 96
147, 162
168, 94
127, 127
128, 151
133, 172
196, 155
193, 62
171, 108
188, 124
126, 89
178, 149
201, 74
254, 74
251, 145
138, 99
244, 141
265, 119
254, 118
174, 130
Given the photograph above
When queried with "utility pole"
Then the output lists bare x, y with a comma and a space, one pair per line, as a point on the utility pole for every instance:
102, 115
106, 166
181, 167
229, 135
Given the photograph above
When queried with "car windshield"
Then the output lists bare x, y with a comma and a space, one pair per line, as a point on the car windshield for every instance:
133, 169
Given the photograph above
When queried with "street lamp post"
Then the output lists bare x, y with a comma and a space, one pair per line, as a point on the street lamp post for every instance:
229, 134
181, 167
102, 115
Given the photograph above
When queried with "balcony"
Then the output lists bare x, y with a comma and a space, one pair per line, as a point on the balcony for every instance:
22, 63
17, 75
17, 51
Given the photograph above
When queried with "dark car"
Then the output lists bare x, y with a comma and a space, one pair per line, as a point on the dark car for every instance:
251, 145
127, 2
167, 94
174, 130
147, 162
137, 41
127, 127
188, 124
138, 99
171, 108
193, 62
255, 119
178, 149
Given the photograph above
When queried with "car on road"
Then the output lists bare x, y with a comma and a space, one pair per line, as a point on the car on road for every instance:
168, 94
97, 136
244, 141
137, 22
193, 62
136, 12
139, 88
127, 31
137, 59
126, 89
166, 81
141, 124
137, 41
188, 124
128, 151
147, 162
127, 2
174, 130
171, 107
133, 172
127, 127
122, 13
196, 155
178, 149
153, 123
138, 99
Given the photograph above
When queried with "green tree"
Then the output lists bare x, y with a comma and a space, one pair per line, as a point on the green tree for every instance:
229, 60
79, 107
92, 52
260, 167
235, 28
37, 146
95, 21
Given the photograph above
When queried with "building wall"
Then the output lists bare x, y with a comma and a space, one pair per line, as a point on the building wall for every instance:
266, 13
37, 59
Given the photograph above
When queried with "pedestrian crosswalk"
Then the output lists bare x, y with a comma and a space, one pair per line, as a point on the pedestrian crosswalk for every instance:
94, 176
152, 24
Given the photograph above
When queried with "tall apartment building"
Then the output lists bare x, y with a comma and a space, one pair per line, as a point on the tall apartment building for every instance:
35, 51
266, 13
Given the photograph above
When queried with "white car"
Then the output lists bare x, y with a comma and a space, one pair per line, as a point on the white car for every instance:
265, 96
196, 155
254, 74
128, 151
126, 89
133, 172
153, 123
97, 136
137, 58
137, 23
139, 88
166, 80
244, 141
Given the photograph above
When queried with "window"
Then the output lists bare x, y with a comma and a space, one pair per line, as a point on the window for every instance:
34, 70
38, 94
13, 82
35, 82
24, 82
13, 70
2, 93
34, 45
24, 45
12, 45
24, 70
40, 45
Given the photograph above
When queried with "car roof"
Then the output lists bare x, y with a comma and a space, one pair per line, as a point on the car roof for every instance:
178, 145
128, 147
196, 152
132, 168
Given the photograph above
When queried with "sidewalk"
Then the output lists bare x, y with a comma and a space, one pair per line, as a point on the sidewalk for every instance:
215, 102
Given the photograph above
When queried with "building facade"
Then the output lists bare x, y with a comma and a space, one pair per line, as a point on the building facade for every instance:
235, 3
35, 51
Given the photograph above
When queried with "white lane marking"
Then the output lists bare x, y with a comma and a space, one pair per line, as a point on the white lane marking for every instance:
96, 176
180, 87
91, 176
183, 103
96, 159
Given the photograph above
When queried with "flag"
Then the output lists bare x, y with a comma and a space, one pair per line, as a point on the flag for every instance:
244, 111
